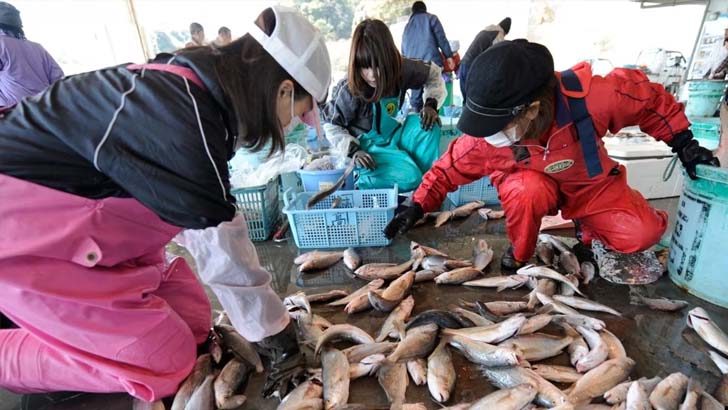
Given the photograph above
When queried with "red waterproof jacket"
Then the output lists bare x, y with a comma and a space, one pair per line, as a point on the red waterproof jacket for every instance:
622, 98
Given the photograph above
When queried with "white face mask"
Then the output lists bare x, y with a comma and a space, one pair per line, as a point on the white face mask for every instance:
504, 138
295, 120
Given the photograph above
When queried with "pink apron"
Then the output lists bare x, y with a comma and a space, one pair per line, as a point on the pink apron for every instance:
99, 307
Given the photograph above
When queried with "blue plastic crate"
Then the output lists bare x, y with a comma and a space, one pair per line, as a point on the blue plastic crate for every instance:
358, 221
480, 190
259, 205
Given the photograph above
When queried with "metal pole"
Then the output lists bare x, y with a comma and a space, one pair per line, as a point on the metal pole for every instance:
140, 32
697, 40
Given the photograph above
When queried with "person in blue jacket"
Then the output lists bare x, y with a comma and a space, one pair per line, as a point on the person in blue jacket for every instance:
424, 39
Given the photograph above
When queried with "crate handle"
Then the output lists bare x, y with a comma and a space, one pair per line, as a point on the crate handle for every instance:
288, 193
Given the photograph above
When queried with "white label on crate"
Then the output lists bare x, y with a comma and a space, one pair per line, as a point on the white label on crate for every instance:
325, 185
559, 166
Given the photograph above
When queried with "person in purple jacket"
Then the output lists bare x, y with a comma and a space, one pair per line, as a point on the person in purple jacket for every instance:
26, 68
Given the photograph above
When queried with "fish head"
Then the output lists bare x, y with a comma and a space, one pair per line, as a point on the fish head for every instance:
696, 316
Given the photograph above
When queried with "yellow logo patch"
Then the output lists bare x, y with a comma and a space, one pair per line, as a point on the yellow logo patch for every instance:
559, 166
390, 107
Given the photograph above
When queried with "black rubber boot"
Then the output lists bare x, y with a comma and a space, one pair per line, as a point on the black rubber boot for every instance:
509, 264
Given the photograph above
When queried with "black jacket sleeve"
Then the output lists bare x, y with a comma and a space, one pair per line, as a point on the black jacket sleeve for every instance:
118, 133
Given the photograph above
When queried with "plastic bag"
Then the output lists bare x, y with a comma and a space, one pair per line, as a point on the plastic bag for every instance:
250, 169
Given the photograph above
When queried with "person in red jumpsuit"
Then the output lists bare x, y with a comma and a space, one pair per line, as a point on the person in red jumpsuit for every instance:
538, 135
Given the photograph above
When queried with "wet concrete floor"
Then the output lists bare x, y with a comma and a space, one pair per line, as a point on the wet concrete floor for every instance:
658, 341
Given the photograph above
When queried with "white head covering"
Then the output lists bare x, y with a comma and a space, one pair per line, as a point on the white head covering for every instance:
299, 48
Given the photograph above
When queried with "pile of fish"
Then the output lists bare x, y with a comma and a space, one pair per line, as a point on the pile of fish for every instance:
463, 211
219, 377
505, 339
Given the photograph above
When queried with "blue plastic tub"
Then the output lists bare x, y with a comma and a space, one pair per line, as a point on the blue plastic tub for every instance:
698, 260
706, 131
358, 221
703, 97
314, 181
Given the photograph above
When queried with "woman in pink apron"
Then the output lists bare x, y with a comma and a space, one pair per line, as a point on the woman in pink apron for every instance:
101, 171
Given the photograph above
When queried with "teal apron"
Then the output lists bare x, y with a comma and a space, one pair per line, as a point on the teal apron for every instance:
402, 151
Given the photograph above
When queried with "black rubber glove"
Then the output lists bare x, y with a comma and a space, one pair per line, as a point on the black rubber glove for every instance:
404, 220
691, 153
429, 116
287, 365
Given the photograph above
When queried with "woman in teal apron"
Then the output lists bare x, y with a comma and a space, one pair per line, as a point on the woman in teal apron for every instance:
364, 107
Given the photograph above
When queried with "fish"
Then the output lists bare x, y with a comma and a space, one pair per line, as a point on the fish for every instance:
203, 397
215, 350
343, 331
310, 330
358, 304
555, 373
719, 361
357, 353
335, 375
386, 271
324, 193
544, 272
483, 212
700, 321
544, 286
588, 272
378, 302
242, 348
598, 350
441, 318
375, 284
600, 379
692, 396
321, 260
471, 316
721, 391
427, 250
493, 333
139, 404
577, 350
324, 297
503, 308
535, 323
222, 318
614, 345
393, 379
493, 214
663, 304
514, 398
426, 218
417, 369
440, 373
618, 393
201, 370
308, 390
482, 255
399, 287
308, 256
545, 252
457, 276
368, 366
307, 404
708, 402
426, 275
401, 313
637, 398
484, 353
669, 392
442, 218
437, 262
232, 376
297, 300
580, 320
352, 260
539, 346
557, 306
416, 342
507, 377
567, 259
569, 290
499, 282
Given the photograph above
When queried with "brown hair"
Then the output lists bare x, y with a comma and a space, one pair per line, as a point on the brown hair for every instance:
250, 78
372, 46
546, 111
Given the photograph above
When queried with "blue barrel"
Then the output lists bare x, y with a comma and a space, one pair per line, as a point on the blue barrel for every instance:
698, 260
318, 180
703, 98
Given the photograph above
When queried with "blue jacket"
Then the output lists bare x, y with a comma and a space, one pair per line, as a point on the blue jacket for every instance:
424, 37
